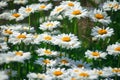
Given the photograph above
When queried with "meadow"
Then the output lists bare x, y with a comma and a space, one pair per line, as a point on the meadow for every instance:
59, 40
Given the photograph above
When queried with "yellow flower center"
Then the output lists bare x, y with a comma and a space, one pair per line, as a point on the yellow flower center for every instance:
116, 70
64, 61
100, 72
42, 6
84, 74
117, 48
99, 16
66, 39
95, 54
48, 52
116, 6
110, 5
76, 70
57, 73
21, 36
19, 53
48, 37
46, 61
8, 31
49, 24
59, 9
102, 31
76, 12
73, 79
16, 15
80, 65
70, 4
28, 9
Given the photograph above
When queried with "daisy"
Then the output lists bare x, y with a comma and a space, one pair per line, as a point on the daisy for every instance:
100, 16
111, 5
28, 9
7, 32
116, 71
46, 52
86, 75
38, 76
95, 54
69, 41
64, 61
45, 62
16, 15
3, 75
81, 64
17, 38
108, 71
102, 33
57, 73
20, 56
57, 10
70, 4
20, 1
102, 73
46, 37
76, 12
114, 49
3, 46
49, 25
44, 6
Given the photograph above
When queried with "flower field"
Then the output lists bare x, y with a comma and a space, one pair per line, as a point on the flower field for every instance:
59, 40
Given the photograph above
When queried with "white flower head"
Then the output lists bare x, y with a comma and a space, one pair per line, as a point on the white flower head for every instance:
95, 54
114, 49
100, 16
102, 33
49, 25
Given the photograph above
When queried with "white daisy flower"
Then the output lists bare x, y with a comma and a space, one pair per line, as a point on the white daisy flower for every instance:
100, 16
57, 10
46, 52
95, 54
3, 75
46, 37
5, 15
16, 15
64, 61
3, 46
33, 76
108, 72
69, 41
116, 71
111, 5
3, 4
102, 73
7, 32
49, 25
81, 64
47, 62
70, 4
102, 33
17, 38
57, 73
44, 6
114, 49
86, 75
76, 12
20, 1
20, 56
28, 9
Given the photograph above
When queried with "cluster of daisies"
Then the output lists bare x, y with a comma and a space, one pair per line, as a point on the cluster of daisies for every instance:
54, 51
